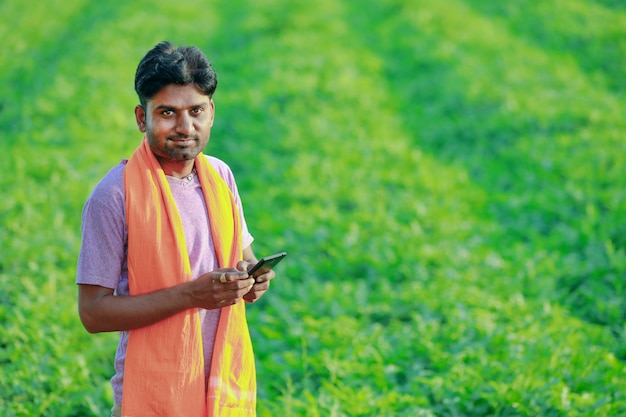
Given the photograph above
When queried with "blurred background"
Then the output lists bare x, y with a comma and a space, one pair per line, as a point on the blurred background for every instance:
447, 177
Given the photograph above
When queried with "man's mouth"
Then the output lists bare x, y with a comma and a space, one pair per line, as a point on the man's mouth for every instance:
183, 141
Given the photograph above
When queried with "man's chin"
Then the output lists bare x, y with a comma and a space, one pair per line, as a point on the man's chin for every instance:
186, 154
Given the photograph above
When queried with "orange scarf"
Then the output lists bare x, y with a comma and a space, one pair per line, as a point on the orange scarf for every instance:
164, 368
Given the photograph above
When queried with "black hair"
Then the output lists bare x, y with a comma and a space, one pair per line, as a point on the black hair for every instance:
166, 64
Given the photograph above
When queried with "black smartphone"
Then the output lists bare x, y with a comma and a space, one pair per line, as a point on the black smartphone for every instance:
265, 264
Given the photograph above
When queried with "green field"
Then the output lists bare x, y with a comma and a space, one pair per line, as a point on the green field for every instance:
448, 177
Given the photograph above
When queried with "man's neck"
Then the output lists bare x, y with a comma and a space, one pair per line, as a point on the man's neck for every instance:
176, 169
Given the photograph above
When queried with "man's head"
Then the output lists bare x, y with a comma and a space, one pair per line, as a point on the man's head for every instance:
165, 64
175, 88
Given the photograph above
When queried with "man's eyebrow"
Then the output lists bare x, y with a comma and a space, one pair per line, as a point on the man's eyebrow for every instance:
170, 107
161, 107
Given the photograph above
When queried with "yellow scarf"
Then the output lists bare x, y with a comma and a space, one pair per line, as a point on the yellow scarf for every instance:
164, 367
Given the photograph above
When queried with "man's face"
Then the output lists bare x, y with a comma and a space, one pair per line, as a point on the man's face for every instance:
177, 122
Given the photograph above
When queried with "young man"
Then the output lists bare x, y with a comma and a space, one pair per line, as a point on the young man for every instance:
165, 252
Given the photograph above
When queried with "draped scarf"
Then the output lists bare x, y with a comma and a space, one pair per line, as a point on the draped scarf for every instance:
164, 366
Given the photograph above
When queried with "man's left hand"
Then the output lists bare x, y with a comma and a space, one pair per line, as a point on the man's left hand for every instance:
261, 284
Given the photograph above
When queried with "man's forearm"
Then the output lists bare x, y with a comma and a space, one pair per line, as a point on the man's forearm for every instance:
101, 311
248, 256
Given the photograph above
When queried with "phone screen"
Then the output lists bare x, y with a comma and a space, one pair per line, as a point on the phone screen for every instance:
266, 263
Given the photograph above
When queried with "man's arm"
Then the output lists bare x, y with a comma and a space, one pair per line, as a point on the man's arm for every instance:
101, 311
248, 256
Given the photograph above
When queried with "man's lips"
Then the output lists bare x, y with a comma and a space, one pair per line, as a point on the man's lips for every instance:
183, 141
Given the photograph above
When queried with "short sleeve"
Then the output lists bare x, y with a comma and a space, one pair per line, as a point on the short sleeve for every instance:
102, 255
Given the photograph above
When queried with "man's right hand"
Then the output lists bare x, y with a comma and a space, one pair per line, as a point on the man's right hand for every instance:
220, 288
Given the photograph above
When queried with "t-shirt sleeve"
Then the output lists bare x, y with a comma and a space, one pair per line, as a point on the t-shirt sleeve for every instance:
103, 247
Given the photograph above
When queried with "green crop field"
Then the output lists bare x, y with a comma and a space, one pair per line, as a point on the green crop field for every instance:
448, 177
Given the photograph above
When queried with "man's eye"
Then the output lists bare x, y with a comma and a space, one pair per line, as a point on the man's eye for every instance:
197, 110
167, 112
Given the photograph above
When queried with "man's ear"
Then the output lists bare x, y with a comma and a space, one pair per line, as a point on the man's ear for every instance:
140, 117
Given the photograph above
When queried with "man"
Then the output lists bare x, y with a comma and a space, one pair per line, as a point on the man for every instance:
165, 252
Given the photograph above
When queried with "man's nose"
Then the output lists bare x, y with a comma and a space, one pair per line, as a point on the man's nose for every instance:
184, 124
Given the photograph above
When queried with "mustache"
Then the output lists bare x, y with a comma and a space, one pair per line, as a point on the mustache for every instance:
183, 137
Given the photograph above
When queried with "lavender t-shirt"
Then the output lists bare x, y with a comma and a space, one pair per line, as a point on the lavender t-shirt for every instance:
102, 257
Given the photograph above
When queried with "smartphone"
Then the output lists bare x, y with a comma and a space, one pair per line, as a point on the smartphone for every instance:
265, 264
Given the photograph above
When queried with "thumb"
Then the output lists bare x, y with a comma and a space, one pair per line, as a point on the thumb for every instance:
243, 266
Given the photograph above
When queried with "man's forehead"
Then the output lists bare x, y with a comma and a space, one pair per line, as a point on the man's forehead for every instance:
179, 96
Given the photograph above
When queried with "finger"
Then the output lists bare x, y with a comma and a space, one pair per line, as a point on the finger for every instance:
247, 283
266, 277
236, 289
226, 277
262, 286
243, 266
